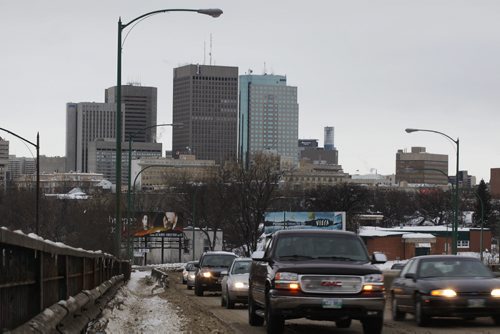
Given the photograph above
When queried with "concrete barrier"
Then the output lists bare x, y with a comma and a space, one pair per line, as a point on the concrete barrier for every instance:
73, 314
45, 322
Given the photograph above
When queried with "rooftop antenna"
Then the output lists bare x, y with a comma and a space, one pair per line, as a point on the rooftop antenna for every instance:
265, 72
210, 52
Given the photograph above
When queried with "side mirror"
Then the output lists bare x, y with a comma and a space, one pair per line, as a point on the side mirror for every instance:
379, 258
223, 273
258, 255
411, 276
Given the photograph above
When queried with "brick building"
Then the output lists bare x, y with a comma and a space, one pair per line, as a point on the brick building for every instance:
409, 241
495, 183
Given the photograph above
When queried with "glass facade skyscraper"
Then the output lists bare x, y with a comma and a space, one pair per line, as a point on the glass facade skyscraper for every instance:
268, 118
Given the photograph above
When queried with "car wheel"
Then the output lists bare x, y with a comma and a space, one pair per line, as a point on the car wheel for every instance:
198, 290
421, 318
253, 318
373, 325
397, 315
496, 320
190, 287
222, 300
343, 323
229, 302
275, 323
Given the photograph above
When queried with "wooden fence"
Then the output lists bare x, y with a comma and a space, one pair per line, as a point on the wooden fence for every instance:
35, 274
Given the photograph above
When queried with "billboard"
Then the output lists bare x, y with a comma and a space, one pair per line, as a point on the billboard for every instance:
146, 223
281, 220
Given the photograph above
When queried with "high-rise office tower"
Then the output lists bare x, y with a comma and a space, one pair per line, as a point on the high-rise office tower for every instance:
205, 101
140, 111
4, 162
268, 118
86, 122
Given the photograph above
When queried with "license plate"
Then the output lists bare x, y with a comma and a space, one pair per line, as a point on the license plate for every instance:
475, 303
332, 303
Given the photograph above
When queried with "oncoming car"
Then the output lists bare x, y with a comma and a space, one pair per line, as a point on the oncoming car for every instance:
188, 268
235, 283
445, 286
208, 274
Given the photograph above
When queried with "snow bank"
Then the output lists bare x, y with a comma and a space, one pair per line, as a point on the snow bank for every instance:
135, 309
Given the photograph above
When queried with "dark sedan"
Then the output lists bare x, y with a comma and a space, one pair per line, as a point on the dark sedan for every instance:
445, 286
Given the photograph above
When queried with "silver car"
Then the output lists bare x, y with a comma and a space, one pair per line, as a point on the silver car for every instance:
189, 270
235, 283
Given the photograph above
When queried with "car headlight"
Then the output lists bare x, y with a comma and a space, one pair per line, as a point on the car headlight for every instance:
495, 293
239, 285
206, 274
286, 280
450, 293
373, 282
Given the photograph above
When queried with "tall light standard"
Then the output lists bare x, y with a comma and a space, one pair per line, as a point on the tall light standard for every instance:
130, 139
214, 12
129, 248
482, 225
455, 220
445, 174
37, 200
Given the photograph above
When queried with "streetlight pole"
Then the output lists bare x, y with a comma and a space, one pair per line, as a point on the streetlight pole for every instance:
130, 138
37, 200
482, 226
455, 220
129, 249
214, 12
194, 219
445, 174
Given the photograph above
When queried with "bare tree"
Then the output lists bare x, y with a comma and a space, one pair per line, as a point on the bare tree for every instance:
395, 205
253, 188
348, 197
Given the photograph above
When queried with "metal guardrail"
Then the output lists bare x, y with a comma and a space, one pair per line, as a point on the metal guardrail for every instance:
36, 274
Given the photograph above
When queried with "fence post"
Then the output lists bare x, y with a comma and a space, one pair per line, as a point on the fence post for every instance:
40, 277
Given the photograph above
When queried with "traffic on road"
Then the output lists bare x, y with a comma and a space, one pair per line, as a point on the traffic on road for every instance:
303, 278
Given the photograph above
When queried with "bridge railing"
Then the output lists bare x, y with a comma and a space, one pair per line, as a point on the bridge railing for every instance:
36, 273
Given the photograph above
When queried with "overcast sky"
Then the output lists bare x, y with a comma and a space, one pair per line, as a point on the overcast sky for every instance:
369, 68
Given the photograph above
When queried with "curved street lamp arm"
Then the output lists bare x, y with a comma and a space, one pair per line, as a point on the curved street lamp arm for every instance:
211, 12
409, 130
18, 136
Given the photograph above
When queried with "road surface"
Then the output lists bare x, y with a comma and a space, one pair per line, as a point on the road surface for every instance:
238, 319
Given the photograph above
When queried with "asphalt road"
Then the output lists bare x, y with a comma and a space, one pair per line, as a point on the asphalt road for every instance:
238, 319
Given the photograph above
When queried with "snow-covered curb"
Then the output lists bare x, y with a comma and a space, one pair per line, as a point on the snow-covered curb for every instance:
137, 308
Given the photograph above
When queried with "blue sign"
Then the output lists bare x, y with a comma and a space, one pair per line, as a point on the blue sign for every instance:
283, 220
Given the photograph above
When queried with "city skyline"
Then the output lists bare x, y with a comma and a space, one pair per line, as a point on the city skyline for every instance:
370, 69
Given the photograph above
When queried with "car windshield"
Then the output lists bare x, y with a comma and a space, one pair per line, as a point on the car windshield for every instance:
453, 268
241, 267
218, 260
317, 246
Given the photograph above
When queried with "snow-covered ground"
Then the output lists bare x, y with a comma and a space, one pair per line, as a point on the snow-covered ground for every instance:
137, 308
